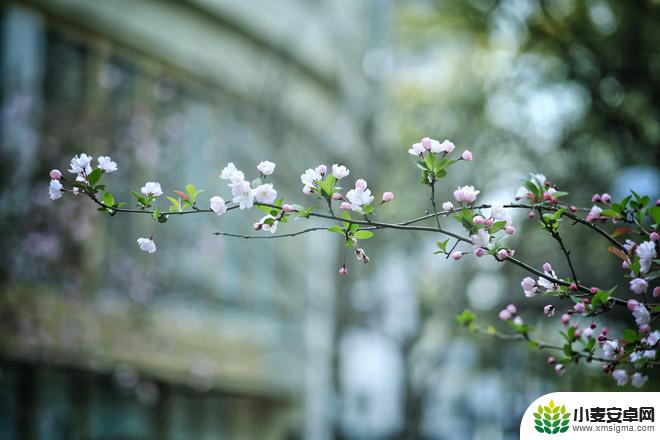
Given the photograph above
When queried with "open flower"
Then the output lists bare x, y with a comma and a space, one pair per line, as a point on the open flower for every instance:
265, 193
243, 194
340, 171
360, 196
55, 189
266, 167
529, 287
152, 189
81, 164
638, 285
106, 164
621, 377
147, 245
218, 205
646, 253
417, 149
466, 194
309, 178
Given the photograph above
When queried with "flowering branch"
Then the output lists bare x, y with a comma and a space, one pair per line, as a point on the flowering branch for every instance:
487, 226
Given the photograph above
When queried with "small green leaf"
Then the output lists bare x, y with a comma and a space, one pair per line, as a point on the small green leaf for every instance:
94, 176
363, 235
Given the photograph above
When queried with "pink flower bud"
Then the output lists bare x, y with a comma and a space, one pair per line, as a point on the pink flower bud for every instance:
287, 208
361, 184
656, 291
565, 318
551, 360
502, 254
343, 270
559, 369
478, 220
510, 230
336, 196
632, 305
512, 309
345, 206
55, 174
467, 155
593, 290
489, 222
654, 236
388, 196
549, 310
531, 215
606, 198
505, 315
480, 252
573, 287
595, 198
457, 255
579, 308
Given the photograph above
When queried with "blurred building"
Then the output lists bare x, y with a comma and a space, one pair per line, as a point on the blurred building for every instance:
209, 338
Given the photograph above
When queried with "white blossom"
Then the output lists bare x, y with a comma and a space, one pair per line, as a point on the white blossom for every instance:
265, 193
106, 164
55, 189
359, 197
231, 173
340, 171
218, 205
310, 177
620, 376
638, 380
610, 349
81, 164
243, 194
641, 314
147, 245
152, 188
272, 227
646, 253
653, 338
266, 167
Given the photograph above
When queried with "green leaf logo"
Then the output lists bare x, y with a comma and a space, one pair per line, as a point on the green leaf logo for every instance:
551, 418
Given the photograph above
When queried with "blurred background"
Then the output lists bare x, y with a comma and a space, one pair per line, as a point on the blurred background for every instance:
221, 338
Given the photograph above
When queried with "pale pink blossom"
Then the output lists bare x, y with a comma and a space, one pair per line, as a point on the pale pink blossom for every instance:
340, 171
638, 285
466, 194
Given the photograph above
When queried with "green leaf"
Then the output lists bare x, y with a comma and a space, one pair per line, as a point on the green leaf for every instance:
108, 199
94, 176
630, 335
363, 235
466, 318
